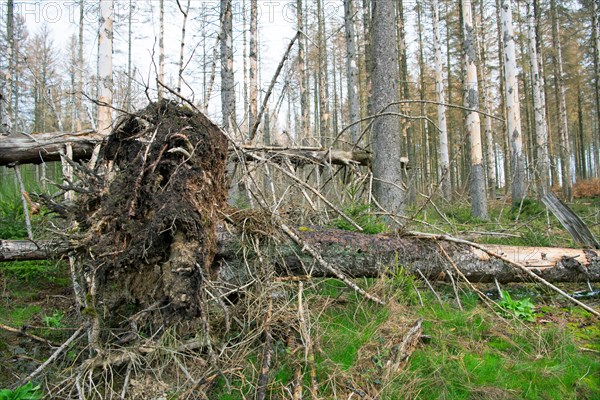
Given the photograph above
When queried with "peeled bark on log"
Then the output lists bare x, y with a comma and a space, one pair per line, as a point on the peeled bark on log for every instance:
318, 155
361, 255
45, 147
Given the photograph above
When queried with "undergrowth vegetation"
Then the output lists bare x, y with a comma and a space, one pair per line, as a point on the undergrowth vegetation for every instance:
529, 345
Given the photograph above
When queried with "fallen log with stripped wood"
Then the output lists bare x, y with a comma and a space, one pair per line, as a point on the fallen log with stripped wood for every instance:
362, 255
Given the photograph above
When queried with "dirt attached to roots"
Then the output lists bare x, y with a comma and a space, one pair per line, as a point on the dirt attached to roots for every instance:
150, 223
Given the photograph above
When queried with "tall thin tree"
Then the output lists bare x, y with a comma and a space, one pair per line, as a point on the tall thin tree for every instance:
472, 122
444, 158
352, 70
561, 97
227, 76
513, 110
539, 106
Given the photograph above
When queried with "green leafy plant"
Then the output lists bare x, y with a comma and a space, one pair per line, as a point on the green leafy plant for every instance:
54, 320
25, 392
370, 223
523, 308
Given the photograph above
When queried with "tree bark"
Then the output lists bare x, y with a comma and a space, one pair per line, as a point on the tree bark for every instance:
513, 111
472, 122
253, 74
352, 70
444, 158
539, 107
303, 78
360, 255
387, 171
227, 77
161, 50
560, 91
44, 147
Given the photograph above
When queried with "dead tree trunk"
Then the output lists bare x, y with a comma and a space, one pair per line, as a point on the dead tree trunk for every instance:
45, 147
361, 255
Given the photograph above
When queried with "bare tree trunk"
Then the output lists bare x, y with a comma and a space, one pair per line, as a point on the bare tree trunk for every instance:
352, 69
503, 139
161, 50
539, 107
444, 158
513, 123
105, 79
387, 169
563, 123
182, 48
303, 77
472, 123
596, 45
487, 106
79, 96
426, 153
324, 113
253, 53
227, 78
406, 124
10, 83
128, 101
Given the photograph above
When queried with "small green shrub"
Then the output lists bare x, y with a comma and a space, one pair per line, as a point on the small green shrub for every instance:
54, 320
371, 224
523, 308
25, 392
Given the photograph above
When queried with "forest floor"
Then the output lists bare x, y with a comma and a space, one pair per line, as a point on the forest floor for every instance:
531, 344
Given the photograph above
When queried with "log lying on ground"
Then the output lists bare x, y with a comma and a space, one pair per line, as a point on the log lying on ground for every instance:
311, 155
361, 255
45, 147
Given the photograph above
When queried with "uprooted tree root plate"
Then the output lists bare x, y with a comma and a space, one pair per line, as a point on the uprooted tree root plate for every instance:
149, 225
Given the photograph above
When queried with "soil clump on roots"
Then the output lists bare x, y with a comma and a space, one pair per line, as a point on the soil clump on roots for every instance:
149, 223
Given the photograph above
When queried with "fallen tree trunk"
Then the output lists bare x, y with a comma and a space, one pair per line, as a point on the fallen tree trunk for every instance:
45, 147
309, 155
361, 255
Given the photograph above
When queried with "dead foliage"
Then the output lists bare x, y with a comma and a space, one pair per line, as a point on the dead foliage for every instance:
588, 188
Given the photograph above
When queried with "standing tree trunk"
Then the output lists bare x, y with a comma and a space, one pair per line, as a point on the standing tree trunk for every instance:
407, 130
253, 53
596, 46
161, 50
444, 158
10, 82
426, 151
539, 107
79, 94
352, 69
472, 122
105, 79
227, 77
513, 111
503, 139
303, 77
322, 73
182, 46
387, 170
563, 123
487, 106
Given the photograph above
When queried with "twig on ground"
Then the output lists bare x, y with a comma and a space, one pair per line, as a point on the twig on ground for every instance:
437, 296
401, 352
53, 357
23, 332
